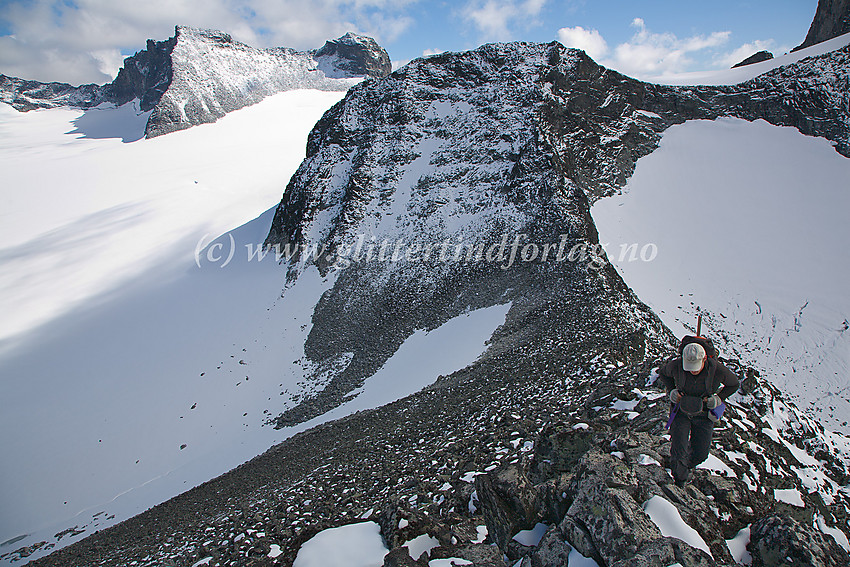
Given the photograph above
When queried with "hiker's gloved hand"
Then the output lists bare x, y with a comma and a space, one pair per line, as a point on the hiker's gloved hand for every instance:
675, 396
712, 402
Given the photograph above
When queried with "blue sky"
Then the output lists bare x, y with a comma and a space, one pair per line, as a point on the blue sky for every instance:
80, 41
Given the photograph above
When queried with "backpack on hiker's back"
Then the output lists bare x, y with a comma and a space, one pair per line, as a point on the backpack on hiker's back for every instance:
706, 343
695, 406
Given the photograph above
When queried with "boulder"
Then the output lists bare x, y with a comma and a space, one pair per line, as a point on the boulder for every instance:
480, 555
553, 549
509, 502
558, 449
781, 540
617, 525
667, 551
400, 557
578, 537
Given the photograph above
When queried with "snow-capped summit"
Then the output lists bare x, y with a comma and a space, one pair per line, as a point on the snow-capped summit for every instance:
197, 76
353, 55
211, 74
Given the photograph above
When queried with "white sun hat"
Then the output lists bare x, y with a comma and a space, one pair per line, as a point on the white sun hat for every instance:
693, 356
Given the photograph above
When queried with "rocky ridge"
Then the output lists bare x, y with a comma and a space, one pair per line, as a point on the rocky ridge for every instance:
197, 76
580, 449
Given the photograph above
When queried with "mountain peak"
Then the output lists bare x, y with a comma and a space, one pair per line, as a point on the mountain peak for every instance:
205, 33
758, 57
832, 19
199, 75
358, 55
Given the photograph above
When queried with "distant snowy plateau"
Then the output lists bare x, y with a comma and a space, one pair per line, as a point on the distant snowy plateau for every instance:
147, 346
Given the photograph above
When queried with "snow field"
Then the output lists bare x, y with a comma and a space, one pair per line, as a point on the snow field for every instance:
86, 213
665, 515
749, 221
354, 545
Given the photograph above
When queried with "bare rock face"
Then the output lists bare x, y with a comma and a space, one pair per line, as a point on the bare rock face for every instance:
755, 58
832, 19
145, 76
198, 76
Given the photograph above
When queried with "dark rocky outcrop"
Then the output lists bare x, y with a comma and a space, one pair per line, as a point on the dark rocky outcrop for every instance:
832, 19
198, 76
755, 58
781, 540
146, 75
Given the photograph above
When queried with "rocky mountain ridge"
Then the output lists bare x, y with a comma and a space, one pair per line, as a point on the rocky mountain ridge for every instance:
509, 142
580, 449
197, 76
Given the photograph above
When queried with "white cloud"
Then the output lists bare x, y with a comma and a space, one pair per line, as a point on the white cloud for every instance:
648, 54
109, 61
428, 52
55, 40
495, 19
49, 64
590, 40
387, 28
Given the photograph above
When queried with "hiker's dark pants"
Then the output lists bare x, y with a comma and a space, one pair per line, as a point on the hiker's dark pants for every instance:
691, 440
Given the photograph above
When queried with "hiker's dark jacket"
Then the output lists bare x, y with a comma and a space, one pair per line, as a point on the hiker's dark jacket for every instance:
673, 375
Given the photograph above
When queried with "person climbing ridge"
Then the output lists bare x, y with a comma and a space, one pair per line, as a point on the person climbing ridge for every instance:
696, 383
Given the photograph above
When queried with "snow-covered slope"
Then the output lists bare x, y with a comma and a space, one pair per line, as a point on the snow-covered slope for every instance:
106, 328
748, 224
99, 213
